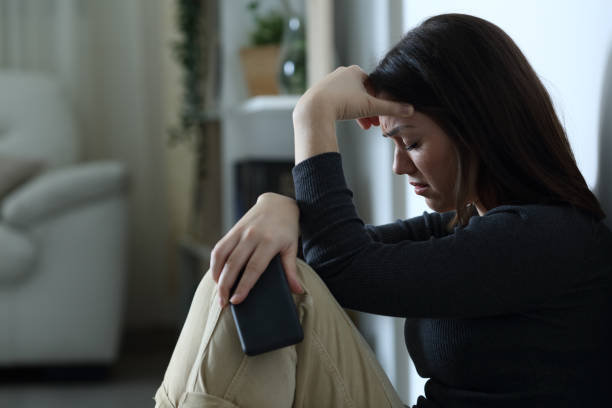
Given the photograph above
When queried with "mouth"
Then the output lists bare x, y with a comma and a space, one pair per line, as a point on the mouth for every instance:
420, 188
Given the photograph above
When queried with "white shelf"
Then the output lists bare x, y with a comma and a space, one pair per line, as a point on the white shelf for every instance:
268, 103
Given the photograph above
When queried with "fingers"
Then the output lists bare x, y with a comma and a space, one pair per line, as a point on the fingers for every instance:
271, 224
381, 106
369, 87
376, 106
288, 260
220, 253
363, 123
232, 268
390, 108
366, 123
261, 257
259, 260
347, 93
356, 69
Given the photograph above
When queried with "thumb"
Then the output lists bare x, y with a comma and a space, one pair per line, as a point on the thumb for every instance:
391, 108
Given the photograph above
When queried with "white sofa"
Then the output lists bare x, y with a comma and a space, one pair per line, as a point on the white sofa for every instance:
62, 236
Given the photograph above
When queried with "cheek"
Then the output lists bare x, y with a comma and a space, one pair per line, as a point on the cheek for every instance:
450, 165
448, 170
440, 169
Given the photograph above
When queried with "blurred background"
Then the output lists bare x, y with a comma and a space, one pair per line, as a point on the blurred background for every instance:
134, 133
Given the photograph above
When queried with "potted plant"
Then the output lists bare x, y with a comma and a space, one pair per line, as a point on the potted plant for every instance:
198, 122
260, 58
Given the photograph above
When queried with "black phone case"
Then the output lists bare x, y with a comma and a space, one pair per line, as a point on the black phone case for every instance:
267, 319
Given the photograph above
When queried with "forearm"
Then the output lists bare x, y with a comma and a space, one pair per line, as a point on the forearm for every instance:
341, 95
417, 268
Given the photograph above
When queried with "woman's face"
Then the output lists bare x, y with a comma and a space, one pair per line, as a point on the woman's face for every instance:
425, 153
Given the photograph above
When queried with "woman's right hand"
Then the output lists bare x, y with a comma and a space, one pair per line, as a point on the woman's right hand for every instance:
270, 227
341, 95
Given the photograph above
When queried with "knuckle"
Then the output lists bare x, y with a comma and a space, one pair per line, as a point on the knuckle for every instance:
230, 265
355, 68
266, 237
216, 254
266, 195
370, 104
251, 233
215, 264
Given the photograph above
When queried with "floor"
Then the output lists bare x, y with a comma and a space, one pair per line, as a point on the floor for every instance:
131, 382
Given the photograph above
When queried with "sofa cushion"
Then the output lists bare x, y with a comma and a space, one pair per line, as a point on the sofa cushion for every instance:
17, 253
15, 171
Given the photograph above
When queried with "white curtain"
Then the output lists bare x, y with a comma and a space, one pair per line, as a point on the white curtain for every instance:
25, 28
108, 56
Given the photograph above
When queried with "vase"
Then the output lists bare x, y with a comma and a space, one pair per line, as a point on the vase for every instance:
260, 69
292, 60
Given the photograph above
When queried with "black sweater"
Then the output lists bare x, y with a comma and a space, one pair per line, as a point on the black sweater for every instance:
512, 310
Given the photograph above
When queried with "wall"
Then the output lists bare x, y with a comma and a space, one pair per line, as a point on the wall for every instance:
364, 30
604, 175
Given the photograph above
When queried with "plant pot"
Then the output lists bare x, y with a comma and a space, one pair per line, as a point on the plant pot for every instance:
260, 66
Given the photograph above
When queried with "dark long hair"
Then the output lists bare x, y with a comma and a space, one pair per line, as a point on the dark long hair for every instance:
474, 82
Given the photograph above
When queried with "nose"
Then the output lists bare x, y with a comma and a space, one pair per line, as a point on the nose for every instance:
402, 163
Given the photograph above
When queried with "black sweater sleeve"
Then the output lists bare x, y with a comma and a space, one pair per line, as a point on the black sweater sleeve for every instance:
415, 229
506, 261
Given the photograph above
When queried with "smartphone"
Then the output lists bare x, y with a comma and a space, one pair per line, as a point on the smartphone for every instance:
267, 319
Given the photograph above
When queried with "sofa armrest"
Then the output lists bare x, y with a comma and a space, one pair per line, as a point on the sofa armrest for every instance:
17, 252
62, 189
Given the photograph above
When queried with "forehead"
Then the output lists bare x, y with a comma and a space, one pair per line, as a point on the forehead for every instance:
388, 123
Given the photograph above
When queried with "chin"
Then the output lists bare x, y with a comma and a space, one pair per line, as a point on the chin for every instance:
439, 206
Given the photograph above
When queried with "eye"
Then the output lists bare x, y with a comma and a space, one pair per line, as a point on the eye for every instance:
411, 147
403, 144
406, 145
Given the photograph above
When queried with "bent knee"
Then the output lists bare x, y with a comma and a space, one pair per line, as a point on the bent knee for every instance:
311, 281
207, 283
307, 275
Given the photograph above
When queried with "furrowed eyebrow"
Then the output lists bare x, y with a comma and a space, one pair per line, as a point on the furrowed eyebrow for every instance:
396, 129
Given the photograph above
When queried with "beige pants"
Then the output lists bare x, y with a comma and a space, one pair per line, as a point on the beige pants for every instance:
332, 367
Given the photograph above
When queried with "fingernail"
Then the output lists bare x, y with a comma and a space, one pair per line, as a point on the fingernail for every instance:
234, 298
301, 290
407, 109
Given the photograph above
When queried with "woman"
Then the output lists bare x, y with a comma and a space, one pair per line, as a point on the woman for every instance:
506, 287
